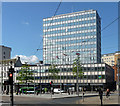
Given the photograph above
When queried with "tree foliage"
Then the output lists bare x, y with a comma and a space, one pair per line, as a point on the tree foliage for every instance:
76, 64
54, 71
25, 74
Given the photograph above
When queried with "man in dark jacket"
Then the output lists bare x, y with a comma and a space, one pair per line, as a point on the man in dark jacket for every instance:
101, 95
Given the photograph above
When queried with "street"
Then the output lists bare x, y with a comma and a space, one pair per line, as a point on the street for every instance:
38, 100
34, 100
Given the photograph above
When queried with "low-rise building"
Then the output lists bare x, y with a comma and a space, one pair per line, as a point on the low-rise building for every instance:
4, 68
95, 76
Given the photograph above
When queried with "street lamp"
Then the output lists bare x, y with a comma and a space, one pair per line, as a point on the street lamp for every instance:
40, 62
60, 78
77, 73
2, 78
60, 73
66, 63
118, 64
34, 82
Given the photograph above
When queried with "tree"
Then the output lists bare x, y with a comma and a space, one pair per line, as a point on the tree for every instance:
54, 71
25, 74
77, 64
77, 71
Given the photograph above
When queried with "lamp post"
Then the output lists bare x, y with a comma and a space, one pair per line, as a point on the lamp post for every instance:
40, 79
40, 62
118, 64
60, 79
77, 73
2, 80
34, 82
60, 74
66, 68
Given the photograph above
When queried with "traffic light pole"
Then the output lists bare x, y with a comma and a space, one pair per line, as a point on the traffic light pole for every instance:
10, 75
51, 87
11, 94
77, 79
77, 85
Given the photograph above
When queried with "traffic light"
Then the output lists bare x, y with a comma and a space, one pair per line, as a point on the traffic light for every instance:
10, 80
51, 83
10, 76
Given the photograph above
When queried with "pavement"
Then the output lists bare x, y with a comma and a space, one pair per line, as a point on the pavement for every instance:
113, 99
57, 96
89, 98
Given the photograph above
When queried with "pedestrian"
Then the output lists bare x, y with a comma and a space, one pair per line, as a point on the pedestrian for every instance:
38, 92
68, 92
7, 92
17, 92
101, 95
107, 93
4, 91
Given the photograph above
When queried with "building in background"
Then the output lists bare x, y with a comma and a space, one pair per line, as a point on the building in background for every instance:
108, 59
117, 56
112, 60
115, 67
5, 52
67, 34
4, 68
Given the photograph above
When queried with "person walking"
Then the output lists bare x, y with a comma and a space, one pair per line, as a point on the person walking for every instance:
101, 95
107, 93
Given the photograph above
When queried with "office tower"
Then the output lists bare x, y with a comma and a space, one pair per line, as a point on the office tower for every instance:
67, 35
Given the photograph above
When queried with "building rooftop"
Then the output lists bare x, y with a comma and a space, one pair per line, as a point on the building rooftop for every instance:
71, 13
110, 54
5, 46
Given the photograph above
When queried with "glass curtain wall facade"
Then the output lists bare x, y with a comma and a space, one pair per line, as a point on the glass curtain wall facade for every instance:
67, 34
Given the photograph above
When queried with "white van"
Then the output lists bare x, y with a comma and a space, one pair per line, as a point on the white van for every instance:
57, 90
